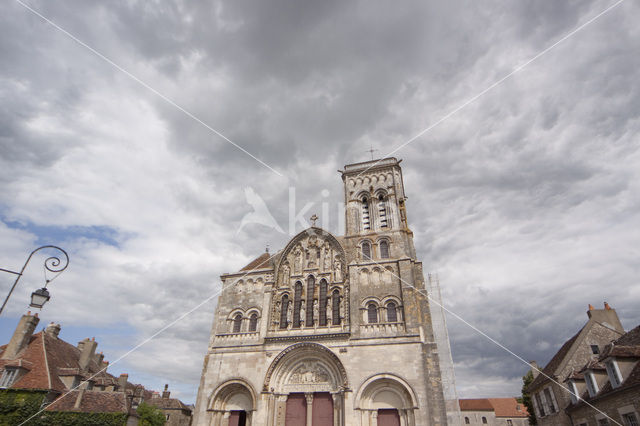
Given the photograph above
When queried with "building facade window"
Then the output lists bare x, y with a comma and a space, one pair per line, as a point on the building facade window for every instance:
9, 376
253, 322
466, 421
630, 419
237, 323
614, 373
311, 288
366, 223
366, 250
595, 349
284, 307
550, 400
509, 422
603, 422
384, 249
484, 420
322, 303
540, 405
372, 313
573, 394
392, 314
297, 304
592, 385
335, 307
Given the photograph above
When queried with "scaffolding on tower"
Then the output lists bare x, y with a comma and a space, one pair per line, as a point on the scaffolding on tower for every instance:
441, 335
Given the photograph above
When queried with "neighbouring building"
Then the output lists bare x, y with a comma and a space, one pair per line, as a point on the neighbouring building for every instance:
66, 378
494, 412
607, 390
331, 330
175, 411
549, 394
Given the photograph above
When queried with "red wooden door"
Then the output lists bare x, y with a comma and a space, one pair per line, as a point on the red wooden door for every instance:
238, 418
388, 418
296, 414
322, 413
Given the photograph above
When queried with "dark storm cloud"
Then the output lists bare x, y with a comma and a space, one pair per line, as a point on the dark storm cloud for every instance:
525, 202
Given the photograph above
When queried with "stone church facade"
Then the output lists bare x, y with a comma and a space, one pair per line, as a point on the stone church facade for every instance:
331, 330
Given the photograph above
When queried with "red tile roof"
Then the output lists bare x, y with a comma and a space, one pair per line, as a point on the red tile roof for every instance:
508, 407
90, 402
482, 404
261, 262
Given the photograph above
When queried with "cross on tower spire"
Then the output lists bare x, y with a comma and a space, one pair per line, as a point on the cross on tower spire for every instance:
371, 151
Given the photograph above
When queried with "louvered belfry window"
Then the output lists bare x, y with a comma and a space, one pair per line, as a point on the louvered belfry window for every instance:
382, 211
322, 304
366, 222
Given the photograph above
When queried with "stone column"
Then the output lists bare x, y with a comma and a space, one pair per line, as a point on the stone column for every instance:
225, 418
281, 408
309, 397
336, 410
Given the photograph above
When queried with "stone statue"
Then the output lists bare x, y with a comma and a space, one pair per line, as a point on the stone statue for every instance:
289, 314
297, 253
286, 274
337, 266
302, 317
316, 318
276, 313
329, 312
326, 264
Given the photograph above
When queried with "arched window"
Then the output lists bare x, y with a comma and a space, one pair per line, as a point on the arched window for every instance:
392, 314
253, 322
322, 304
372, 313
335, 307
237, 323
466, 421
284, 307
382, 211
366, 224
297, 302
366, 250
384, 249
311, 288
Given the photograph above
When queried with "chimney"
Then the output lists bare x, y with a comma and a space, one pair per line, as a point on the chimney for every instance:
166, 393
122, 382
21, 336
98, 359
53, 330
87, 351
535, 369
105, 365
78, 403
607, 317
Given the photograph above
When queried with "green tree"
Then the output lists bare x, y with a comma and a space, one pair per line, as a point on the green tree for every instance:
526, 398
150, 415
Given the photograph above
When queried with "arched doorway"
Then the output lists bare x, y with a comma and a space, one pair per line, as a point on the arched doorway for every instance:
233, 404
386, 400
306, 384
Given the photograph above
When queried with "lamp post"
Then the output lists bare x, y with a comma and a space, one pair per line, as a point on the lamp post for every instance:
53, 264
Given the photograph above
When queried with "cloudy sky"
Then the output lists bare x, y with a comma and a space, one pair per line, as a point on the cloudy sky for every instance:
526, 201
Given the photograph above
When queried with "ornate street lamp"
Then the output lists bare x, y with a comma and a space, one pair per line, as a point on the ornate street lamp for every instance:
51, 264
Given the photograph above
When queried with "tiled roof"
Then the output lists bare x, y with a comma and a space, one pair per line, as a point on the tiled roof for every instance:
90, 402
554, 364
34, 353
261, 262
626, 346
168, 404
593, 365
481, 404
508, 407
